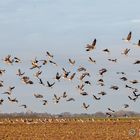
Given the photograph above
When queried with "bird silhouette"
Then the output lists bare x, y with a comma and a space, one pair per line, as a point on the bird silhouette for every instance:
38, 96
50, 85
13, 100
85, 106
128, 38
92, 46
96, 98
72, 62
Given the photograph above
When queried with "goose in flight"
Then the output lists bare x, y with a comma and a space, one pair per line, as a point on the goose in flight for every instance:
19, 73
17, 60
72, 76
57, 77
108, 114
72, 62
44, 61
84, 93
2, 71
37, 74
13, 100
86, 74
9, 91
126, 51
128, 38
102, 71
96, 98
34, 64
48, 54
126, 105
87, 82
134, 81
138, 44
65, 73
1, 101
111, 110
136, 95
1, 83
26, 80
24, 106
8, 60
91, 60
45, 102
102, 93
57, 99
41, 82
85, 106
123, 78
70, 99
112, 60
38, 96
80, 87
114, 87
137, 62
106, 50
133, 99
81, 69
92, 46
52, 62
64, 94
50, 85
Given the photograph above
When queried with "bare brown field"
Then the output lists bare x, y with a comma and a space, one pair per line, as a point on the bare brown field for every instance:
69, 129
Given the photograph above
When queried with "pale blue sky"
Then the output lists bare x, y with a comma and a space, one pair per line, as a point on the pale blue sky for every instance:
30, 27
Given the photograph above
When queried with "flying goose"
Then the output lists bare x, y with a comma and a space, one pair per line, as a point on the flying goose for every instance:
128, 38
84, 93
45, 102
2, 71
92, 46
85, 106
64, 94
126, 105
13, 100
137, 62
1, 101
50, 85
72, 62
72, 76
70, 99
48, 54
111, 110
106, 50
65, 73
24, 106
38, 96
102, 93
19, 73
102, 71
114, 87
96, 98
91, 60
37, 74
126, 51
57, 99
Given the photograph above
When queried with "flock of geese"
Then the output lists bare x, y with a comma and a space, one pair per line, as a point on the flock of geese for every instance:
37, 64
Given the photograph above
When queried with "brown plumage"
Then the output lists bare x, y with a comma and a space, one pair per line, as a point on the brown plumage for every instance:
92, 46
128, 38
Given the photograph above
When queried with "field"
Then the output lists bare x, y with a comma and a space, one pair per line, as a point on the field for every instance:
69, 129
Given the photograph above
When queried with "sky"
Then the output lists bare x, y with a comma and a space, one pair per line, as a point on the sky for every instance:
29, 28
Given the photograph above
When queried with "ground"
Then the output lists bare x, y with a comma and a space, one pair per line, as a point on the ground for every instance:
69, 129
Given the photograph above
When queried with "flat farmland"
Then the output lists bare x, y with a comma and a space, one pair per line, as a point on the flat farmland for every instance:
69, 129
